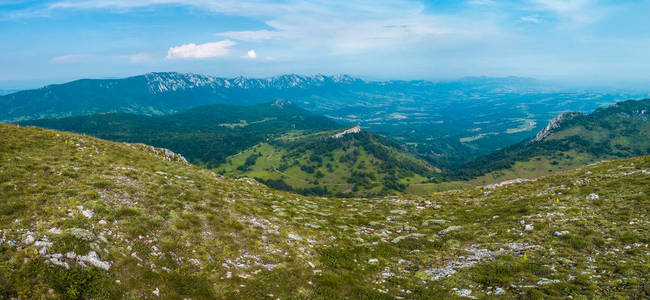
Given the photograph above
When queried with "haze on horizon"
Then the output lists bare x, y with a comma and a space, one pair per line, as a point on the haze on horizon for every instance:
578, 41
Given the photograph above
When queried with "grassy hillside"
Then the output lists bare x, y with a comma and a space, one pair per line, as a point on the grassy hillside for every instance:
355, 163
84, 218
621, 130
206, 135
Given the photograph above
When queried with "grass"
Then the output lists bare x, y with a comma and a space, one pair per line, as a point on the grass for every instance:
190, 233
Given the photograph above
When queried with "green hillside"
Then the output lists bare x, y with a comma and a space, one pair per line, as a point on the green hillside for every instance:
571, 140
83, 218
206, 135
354, 162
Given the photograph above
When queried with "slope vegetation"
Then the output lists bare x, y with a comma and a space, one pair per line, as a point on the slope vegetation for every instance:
83, 218
569, 141
348, 162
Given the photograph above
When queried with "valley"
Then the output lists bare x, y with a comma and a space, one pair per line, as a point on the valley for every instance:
448, 123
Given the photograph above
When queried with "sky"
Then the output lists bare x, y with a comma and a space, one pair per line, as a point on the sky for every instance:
604, 41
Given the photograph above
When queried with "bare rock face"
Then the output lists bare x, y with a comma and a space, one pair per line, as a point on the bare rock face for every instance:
355, 129
554, 124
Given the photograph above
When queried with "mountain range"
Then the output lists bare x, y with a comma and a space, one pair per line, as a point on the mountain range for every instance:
448, 123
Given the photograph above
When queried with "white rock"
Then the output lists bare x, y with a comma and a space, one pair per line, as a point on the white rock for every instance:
88, 213
156, 292
543, 281
560, 233
528, 227
499, 291
465, 293
93, 259
294, 237
450, 229
29, 239
592, 196
373, 261
102, 222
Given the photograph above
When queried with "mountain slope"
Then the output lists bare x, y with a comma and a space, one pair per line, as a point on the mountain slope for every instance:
348, 162
206, 135
447, 122
84, 218
571, 140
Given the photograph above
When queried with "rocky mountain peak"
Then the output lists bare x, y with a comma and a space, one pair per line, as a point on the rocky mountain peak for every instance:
554, 124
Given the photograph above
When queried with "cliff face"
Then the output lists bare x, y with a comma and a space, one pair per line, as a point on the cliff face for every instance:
554, 124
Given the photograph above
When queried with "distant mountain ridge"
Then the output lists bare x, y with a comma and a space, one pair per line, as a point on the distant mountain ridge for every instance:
447, 122
152, 94
206, 135
161, 82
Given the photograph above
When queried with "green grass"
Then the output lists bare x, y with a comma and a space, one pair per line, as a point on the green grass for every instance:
190, 233
300, 162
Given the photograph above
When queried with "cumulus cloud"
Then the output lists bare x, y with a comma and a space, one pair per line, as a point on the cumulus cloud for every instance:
207, 50
251, 54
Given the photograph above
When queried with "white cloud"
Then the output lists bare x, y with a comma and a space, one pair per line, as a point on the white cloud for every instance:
251, 35
481, 2
72, 58
85, 58
207, 50
565, 6
251, 54
531, 19
353, 28
140, 58
574, 12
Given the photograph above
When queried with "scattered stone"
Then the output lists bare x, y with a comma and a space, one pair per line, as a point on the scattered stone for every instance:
29, 239
499, 291
528, 227
543, 281
433, 221
467, 293
156, 292
508, 182
592, 196
560, 233
450, 229
294, 237
93, 259
88, 213
102, 222
80, 233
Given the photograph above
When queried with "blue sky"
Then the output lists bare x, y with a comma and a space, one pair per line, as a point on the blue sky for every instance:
573, 40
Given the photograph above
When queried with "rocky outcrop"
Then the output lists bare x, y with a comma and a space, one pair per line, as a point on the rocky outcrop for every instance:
554, 124
355, 129
166, 154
